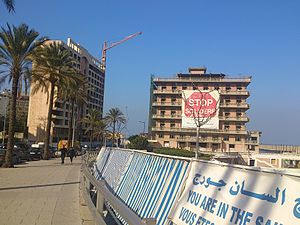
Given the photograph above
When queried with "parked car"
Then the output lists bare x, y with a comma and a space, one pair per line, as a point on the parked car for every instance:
23, 149
35, 153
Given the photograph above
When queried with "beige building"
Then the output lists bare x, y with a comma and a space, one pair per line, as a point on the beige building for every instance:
165, 119
38, 107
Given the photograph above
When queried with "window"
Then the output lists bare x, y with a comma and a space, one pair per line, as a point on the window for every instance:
172, 136
228, 87
227, 101
173, 89
195, 88
162, 125
227, 114
238, 127
184, 87
217, 87
173, 113
239, 88
205, 87
160, 135
162, 113
237, 138
226, 127
225, 138
231, 146
172, 125
163, 88
163, 99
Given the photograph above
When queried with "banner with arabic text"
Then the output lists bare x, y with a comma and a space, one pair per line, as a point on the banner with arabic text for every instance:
224, 195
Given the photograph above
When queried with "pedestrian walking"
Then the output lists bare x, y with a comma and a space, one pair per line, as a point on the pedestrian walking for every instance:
71, 154
63, 154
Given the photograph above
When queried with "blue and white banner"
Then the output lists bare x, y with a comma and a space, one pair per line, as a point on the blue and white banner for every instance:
221, 195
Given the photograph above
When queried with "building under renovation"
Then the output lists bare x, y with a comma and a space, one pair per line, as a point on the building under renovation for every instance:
173, 124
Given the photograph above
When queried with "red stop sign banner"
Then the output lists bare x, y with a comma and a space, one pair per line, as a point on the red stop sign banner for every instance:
200, 104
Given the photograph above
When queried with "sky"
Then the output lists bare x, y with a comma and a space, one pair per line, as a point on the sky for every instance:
238, 38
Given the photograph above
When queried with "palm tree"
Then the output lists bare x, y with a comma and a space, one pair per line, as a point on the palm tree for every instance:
52, 68
75, 94
115, 117
18, 44
10, 5
93, 121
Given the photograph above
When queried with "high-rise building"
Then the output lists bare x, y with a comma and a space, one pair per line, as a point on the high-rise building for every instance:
226, 132
94, 72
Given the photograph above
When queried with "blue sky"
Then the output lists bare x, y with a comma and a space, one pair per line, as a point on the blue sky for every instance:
257, 38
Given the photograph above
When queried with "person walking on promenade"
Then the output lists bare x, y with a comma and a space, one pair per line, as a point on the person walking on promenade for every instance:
63, 154
71, 154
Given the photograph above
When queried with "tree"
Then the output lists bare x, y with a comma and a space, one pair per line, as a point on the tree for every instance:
115, 118
53, 67
18, 44
138, 142
201, 109
93, 121
10, 5
75, 94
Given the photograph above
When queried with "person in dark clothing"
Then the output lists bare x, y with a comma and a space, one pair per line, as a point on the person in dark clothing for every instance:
71, 154
63, 154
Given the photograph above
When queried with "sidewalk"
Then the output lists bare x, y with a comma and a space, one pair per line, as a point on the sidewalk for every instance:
40, 192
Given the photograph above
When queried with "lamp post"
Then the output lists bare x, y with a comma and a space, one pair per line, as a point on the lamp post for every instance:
143, 122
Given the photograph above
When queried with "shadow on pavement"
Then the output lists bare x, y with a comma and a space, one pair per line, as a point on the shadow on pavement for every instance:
39, 186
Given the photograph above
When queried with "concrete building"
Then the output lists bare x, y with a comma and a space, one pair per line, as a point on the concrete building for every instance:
22, 105
166, 110
38, 106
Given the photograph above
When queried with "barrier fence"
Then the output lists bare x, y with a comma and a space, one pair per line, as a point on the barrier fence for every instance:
137, 187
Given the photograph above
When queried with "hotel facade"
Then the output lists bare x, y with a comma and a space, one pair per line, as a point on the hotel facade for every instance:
94, 72
228, 133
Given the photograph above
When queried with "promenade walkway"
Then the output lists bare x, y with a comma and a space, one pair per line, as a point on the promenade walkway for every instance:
40, 192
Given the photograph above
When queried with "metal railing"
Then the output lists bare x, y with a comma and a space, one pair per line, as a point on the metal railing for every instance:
104, 194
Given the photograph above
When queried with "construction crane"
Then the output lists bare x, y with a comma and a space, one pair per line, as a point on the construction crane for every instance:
105, 47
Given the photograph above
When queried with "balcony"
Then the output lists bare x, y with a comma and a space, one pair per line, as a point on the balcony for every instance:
241, 105
202, 131
239, 119
165, 91
232, 92
154, 116
177, 104
201, 139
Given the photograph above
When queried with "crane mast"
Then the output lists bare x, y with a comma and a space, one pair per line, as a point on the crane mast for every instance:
106, 47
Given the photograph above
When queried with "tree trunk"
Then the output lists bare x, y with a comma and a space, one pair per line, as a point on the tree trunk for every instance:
49, 119
70, 125
91, 140
11, 127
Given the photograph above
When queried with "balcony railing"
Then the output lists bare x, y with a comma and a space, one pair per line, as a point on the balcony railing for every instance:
204, 79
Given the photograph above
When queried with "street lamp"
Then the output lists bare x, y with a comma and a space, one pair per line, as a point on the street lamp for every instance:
144, 126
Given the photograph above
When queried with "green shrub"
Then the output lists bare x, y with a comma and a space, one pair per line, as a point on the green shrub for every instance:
181, 153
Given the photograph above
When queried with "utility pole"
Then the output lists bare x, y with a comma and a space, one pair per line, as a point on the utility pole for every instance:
143, 122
